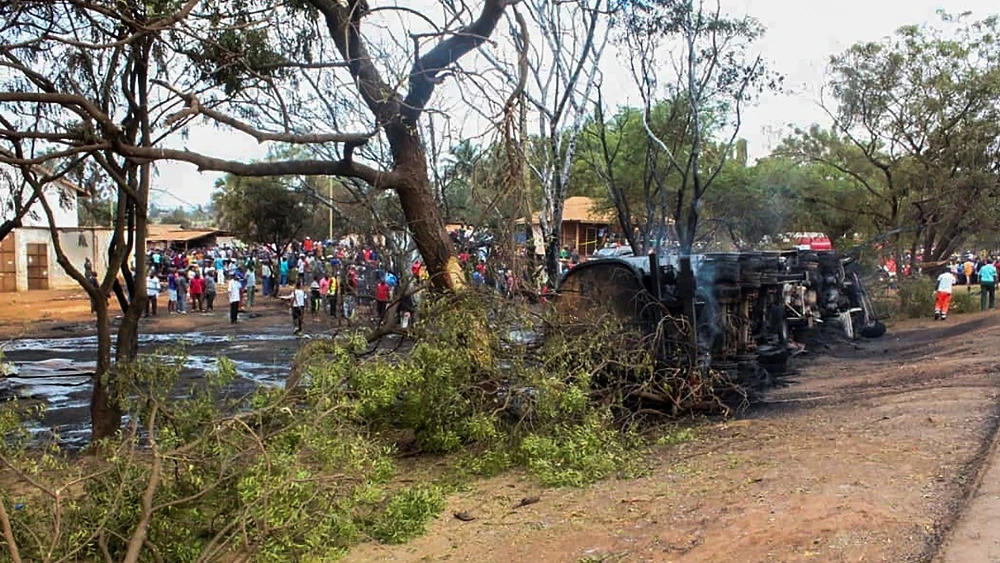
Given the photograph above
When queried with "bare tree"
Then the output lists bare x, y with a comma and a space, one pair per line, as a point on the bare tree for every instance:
713, 78
563, 64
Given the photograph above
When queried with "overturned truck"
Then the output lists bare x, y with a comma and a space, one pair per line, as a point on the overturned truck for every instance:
747, 305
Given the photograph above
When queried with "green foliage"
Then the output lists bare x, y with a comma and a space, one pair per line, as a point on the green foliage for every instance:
261, 210
406, 514
917, 297
304, 473
259, 475
575, 455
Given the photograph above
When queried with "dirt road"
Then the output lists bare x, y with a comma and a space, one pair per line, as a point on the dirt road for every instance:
67, 312
867, 454
976, 536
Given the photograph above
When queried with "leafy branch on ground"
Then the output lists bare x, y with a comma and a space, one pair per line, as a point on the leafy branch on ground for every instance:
304, 472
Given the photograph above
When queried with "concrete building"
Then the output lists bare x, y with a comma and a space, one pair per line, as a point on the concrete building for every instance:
27, 255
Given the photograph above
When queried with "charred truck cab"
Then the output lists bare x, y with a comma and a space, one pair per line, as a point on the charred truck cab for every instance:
745, 305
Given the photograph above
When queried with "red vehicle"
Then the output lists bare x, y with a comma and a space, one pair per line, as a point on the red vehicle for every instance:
811, 241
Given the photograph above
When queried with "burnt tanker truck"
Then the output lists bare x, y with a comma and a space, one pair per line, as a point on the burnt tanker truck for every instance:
747, 305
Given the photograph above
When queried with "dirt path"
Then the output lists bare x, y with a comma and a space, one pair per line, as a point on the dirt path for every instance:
976, 536
867, 454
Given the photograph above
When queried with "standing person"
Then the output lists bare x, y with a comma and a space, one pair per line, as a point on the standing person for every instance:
314, 294
987, 285
283, 269
234, 299
382, 294
172, 292
406, 308
298, 303
332, 295
210, 290
324, 291
182, 292
265, 278
152, 292
945, 283
350, 292
197, 292
251, 284
968, 268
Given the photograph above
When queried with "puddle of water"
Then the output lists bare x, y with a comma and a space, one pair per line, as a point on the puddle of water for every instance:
58, 370
81, 343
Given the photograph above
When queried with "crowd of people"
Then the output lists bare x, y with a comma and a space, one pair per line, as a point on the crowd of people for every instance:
334, 278
341, 279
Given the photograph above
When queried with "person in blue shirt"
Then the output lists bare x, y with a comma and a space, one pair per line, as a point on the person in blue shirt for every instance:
987, 285
283, 270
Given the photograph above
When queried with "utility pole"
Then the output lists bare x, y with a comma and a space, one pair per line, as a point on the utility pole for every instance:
330, 183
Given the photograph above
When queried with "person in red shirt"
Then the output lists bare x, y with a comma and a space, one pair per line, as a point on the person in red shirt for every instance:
197, 291
382, 294
307, 245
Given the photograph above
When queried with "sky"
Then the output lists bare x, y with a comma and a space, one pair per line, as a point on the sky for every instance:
801, 37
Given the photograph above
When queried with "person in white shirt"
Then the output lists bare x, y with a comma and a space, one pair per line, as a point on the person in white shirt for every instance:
152, 292
945, 282
251, 284
234, 299
265, 278
298, 302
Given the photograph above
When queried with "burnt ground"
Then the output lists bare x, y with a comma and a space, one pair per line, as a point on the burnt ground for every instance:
868, 452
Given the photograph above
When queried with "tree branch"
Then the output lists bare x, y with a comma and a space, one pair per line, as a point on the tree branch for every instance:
137, 541
195, 108
8, 534
424, 74
344, 167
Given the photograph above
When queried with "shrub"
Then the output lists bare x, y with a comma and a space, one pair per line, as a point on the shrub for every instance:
917, 298
213, 477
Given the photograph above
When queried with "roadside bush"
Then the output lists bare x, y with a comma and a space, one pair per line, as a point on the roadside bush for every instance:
917, 297
481, 380
211, 477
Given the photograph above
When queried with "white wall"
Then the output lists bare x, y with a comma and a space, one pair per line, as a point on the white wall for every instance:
61, 196
78, 244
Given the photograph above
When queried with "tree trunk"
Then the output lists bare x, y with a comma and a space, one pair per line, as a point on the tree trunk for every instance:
423, 218
552, 247
687, 288
105, 411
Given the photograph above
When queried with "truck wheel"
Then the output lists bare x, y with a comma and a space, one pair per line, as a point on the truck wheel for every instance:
874, 330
